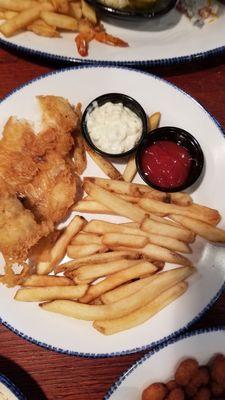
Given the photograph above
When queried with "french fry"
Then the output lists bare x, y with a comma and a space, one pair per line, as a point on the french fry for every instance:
59, 249
47, 280
10, 14
17, 5
96, 259
86, 238
61, 6
102, 227
124, 239
131, 168
117, 279
140, 190
91, 207
39, 27
50, 293
123, 307
105, 165
75, 10
154, 120
158, 253
208, 232
74, 251
151, 226
114, 203
88, 12
195, 211
20, 21
127, 188
60, 20
125, 290
143, 314
95, 271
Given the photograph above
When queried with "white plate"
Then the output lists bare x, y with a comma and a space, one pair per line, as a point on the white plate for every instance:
177, 108
169, 39
8, 390
201, 345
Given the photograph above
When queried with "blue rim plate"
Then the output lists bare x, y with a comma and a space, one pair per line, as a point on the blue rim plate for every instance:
159, 365
151, 43
11, 388
81, 84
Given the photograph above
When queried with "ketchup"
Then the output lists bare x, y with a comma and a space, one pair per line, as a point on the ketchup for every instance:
166, 164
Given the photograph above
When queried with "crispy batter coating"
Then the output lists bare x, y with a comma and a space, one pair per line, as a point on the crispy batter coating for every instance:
59, 120
18, 228
53, 190
19, 154
38, 184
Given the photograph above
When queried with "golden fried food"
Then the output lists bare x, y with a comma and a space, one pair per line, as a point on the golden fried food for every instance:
38, 182
186, 370
53, 190
19, 152
192, 381
18, 228
59, 120
156, 391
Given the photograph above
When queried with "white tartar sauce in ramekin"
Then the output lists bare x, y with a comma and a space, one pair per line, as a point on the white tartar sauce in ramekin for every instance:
114, 128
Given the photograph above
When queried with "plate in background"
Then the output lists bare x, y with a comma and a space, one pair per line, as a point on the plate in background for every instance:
170, 39
201, 345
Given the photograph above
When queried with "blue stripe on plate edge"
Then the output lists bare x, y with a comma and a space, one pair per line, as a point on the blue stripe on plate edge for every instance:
11, 386
114, 387
145, 63
166, 338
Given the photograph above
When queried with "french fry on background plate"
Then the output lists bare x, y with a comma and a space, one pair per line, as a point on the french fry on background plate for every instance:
20, 21
17, 5
135, 318
60, 20
123, 307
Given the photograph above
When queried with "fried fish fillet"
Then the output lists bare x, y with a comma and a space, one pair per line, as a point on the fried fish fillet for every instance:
18, 229
19, 154
38, 184
59, 121
53, 190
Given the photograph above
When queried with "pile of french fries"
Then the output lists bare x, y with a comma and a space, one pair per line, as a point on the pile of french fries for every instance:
117, 275
51, 17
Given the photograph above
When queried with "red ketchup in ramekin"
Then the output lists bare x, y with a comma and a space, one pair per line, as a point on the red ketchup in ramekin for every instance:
166, 164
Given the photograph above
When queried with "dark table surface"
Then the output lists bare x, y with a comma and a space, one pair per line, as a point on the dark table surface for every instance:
43, 374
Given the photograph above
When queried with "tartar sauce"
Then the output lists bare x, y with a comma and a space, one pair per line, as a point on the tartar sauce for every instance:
114, 128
